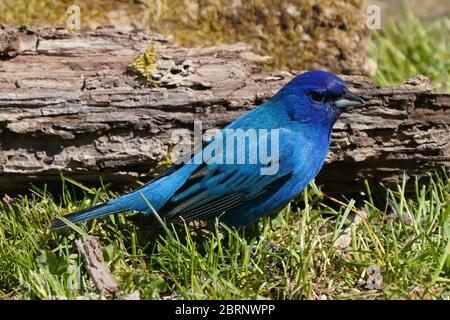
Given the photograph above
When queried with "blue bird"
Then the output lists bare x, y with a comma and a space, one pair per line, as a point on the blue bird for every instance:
295, 125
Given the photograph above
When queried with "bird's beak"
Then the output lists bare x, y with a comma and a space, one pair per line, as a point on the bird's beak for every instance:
348, 99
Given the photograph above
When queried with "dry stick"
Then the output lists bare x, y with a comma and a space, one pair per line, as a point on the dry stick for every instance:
97, 268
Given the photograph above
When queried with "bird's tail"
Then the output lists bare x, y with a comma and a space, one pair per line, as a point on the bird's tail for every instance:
110, 207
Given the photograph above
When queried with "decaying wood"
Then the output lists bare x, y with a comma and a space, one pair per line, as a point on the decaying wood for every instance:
98, 270
68, 103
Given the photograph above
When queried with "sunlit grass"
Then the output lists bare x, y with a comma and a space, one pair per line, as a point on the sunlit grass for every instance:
408, 47
289, 257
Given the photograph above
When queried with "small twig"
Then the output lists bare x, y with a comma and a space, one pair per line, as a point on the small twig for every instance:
97, 268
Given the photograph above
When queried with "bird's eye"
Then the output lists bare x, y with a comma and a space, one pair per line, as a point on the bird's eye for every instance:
317, 97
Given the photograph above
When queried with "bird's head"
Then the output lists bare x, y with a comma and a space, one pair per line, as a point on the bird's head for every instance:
316, 97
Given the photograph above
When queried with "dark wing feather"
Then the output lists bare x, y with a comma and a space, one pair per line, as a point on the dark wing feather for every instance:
203, 204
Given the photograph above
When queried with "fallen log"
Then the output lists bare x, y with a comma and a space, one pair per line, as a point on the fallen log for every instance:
69, 103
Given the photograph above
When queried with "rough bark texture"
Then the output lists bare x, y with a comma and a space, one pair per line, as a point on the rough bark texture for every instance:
69, 103
98, 270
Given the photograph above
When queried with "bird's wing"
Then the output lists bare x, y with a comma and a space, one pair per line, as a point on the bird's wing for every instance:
213, 189
171, 168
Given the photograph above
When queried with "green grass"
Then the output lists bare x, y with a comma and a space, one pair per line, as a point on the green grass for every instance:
293, 256
409, 47
290, 257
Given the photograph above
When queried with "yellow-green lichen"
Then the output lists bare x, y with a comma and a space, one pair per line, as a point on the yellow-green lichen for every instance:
145, 64
168, 159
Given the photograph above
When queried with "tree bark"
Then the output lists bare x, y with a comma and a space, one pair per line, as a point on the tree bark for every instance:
96, 266
70, 104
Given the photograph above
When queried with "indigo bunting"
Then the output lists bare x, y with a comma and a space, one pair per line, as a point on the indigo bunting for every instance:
239, 184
